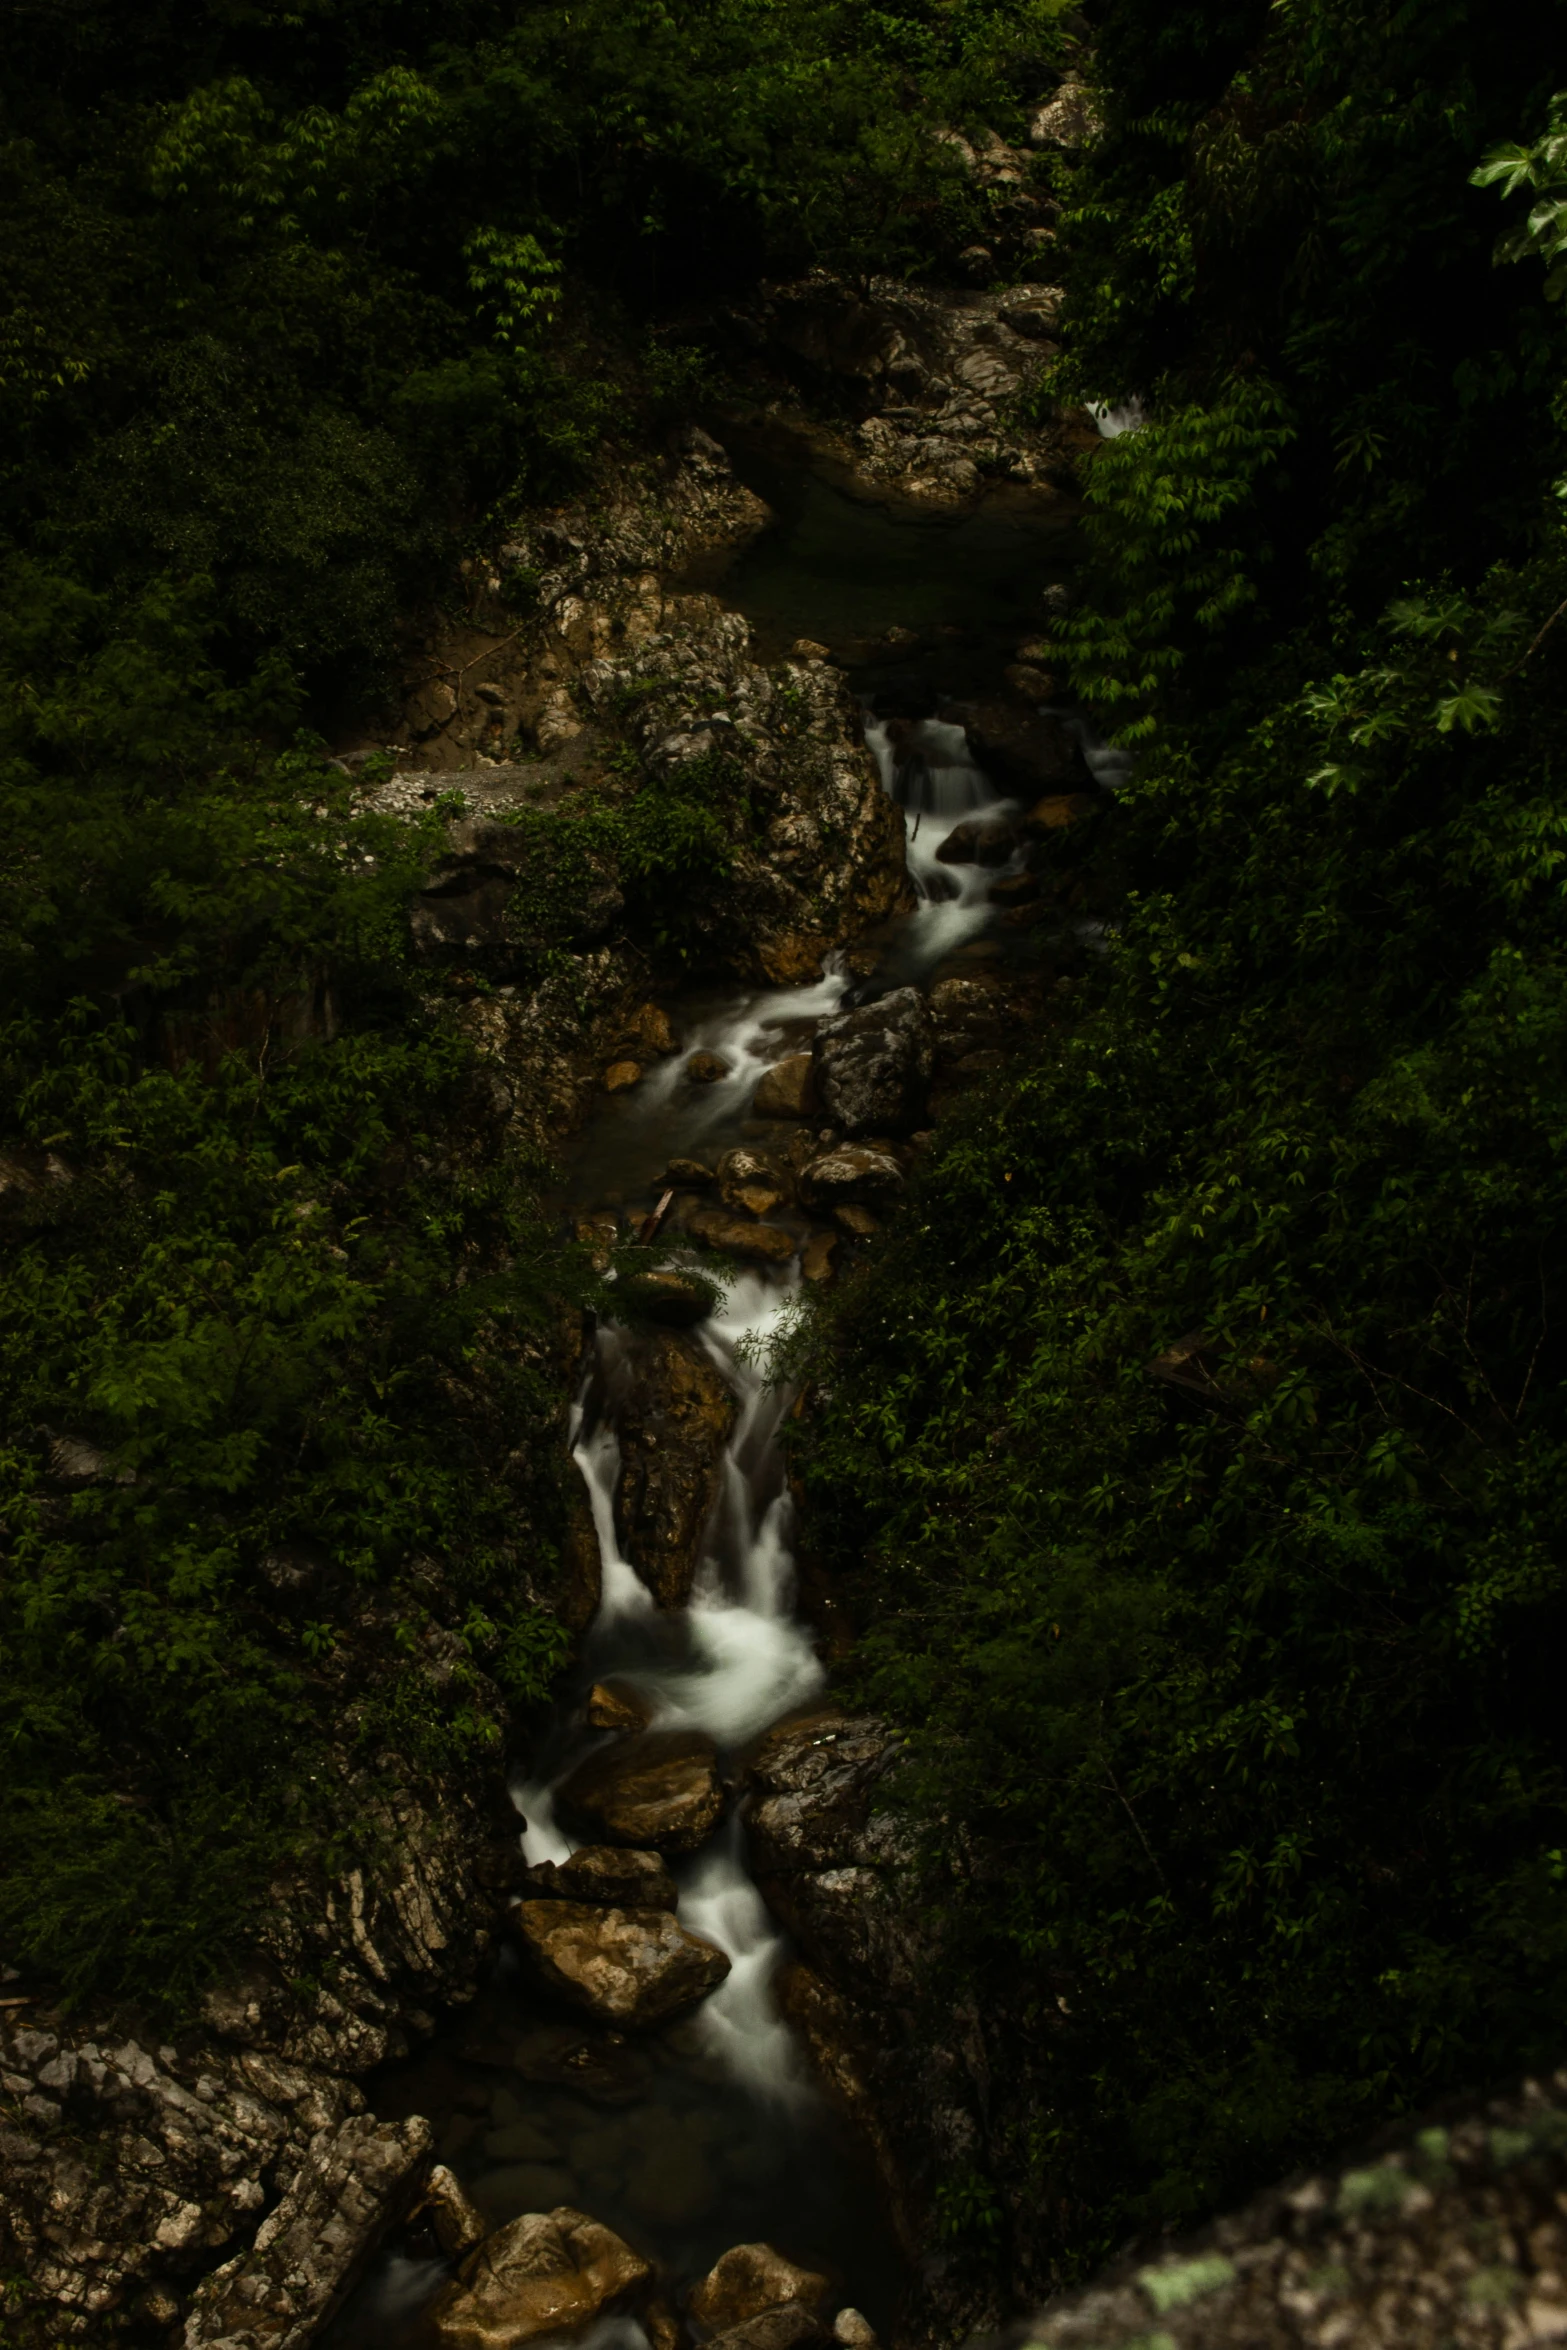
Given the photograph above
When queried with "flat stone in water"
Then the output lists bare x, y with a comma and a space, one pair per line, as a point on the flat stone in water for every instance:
660, 1792
632, 1967
546, 2273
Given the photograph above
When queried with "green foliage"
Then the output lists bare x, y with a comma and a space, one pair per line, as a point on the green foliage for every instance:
1194, 1448
293, 303
1542, 168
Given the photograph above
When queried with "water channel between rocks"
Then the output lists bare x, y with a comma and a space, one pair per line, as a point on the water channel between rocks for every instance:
707, 2132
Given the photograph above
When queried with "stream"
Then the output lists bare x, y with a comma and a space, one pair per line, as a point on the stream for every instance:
707, 2132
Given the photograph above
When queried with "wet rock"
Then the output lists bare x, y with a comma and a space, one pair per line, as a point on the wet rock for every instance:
806, 648
817, 1262
858, 1222
457, 2222
632, 1968
661, 1790
676, 1421
613, 1705
706, 1068
599, 2066
649, 1024
1022, 748
546, 2273
605, 1873
782, 2328
827, 1861
977, 841
967, 1013
621, 1076
669, 1296
748, 2279
873, 1064
688, 1171
768, 1243
601, 1234
1014, 889
1067, 121
663, 2327
1057, 810
787, 1089
854, 1171
357, 2181
854, 2331
750, 1183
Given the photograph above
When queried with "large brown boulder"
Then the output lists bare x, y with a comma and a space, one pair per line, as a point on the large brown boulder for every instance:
750, 1184
748, 2279
631, 1968
854, 1171
677, 1420
873, 1064
770, 1244
787, 1089
607, 1874
978, 841
660, 1791
546, 2273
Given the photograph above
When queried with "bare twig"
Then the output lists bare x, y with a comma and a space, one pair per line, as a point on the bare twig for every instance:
1534, 648
1115, 1789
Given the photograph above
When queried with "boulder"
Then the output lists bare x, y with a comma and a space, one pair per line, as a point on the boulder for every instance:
706, 1068
749, 1183
605, 1873
783, 2328
978, 842
873, 1064
668, 1296
748, 2279
858, 1222
674, 1426
649, 1024
612, 1705
546, 2273
854, 1171
684, 1172
660, 1791
1014, 889
1057, 810
817, 1262
457, 2221
787, 1089
854, 2330
357, 2181
769, 1243
630, 1968
621, 1076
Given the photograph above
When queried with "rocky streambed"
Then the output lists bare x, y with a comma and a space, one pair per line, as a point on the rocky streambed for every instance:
558, 2081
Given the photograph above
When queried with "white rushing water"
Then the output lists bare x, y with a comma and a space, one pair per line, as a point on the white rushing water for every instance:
927, 765
743, 1659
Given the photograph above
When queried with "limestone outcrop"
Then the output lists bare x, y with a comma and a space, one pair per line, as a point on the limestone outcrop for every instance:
355, 2182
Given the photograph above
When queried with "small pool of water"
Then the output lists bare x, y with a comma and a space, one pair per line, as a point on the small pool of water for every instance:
653, 2137
843, 569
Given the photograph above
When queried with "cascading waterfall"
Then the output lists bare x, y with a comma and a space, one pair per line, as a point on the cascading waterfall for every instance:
735, 1660
927, 766
747, 1660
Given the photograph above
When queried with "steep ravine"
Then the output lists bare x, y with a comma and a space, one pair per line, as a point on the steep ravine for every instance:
694, 1743
134, 2169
